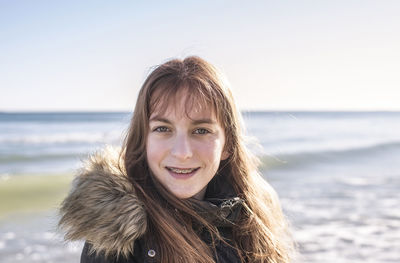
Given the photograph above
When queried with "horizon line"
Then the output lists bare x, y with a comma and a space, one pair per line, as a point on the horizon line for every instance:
242, 111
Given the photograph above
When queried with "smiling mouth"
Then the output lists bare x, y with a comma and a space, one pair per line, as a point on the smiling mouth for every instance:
182, 171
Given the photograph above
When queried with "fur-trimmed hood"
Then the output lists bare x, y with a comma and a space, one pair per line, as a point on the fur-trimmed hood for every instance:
102, 207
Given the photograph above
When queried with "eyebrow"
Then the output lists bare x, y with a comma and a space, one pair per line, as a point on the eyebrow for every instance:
194, 122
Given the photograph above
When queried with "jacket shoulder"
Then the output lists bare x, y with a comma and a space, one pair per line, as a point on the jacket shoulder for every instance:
89, 256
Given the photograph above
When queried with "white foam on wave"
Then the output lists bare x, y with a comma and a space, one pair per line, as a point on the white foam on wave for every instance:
333, 147
349, 243
362, 181
35, 239
56, 138
9, 236
19, 256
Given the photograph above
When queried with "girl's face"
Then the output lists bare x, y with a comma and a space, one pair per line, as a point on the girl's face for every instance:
184, 153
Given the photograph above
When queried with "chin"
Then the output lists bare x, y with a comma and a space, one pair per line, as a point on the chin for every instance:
183, 195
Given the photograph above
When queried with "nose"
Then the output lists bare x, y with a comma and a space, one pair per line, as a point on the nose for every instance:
181, 148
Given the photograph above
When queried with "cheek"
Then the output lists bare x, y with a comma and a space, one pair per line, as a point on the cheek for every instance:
211, 150
153, 152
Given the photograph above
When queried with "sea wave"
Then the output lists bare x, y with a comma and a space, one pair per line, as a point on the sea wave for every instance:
324, 156
64, 138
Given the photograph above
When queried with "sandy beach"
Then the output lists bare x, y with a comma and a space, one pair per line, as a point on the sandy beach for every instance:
28, 219
24, 194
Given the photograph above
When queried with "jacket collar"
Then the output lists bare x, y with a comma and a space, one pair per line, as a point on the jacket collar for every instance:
221, 206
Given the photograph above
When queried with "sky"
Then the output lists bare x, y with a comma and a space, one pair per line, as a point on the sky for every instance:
277, 55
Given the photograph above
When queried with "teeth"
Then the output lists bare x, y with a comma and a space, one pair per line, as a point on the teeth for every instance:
181, 171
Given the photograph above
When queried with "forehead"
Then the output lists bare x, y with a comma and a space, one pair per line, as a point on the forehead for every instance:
181, 109
182, 104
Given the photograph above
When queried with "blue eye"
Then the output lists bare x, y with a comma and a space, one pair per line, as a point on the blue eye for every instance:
161, 129
201, 131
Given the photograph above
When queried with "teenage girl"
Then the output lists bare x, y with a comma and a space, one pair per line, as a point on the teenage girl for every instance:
183, 188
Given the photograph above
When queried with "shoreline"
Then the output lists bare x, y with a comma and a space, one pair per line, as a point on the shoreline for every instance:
31, 193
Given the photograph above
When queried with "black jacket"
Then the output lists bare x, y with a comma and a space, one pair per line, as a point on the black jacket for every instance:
103, 209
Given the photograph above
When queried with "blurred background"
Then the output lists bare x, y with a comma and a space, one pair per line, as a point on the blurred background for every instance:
317, 82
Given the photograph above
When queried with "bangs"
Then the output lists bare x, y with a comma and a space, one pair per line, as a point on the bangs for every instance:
198, 96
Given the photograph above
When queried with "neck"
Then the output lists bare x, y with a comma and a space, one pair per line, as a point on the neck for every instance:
200, 195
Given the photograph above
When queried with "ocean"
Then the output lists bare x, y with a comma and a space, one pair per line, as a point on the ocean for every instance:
336, 173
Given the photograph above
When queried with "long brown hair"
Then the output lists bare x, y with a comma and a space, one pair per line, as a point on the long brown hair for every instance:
261, 235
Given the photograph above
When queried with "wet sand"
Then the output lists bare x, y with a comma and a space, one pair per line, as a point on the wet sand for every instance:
24, 194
